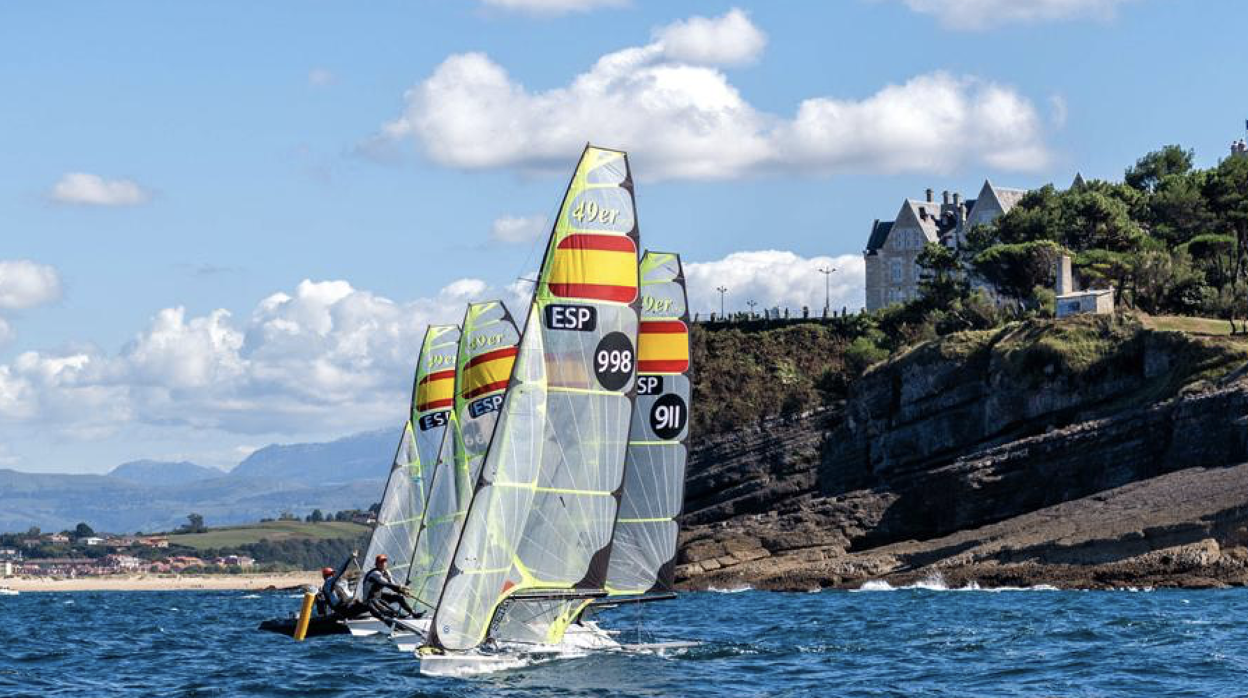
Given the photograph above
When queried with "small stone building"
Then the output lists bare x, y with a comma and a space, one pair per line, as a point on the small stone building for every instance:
1098, 301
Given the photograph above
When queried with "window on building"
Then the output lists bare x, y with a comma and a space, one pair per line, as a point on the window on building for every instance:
896, 270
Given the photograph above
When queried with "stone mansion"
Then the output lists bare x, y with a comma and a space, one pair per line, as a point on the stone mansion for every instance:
892, 272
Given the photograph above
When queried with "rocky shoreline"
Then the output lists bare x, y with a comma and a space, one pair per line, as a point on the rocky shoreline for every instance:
1000, 459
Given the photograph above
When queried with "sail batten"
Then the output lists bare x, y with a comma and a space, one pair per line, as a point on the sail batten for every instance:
546, 501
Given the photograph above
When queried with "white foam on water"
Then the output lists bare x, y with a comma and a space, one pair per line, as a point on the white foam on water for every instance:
937, 583
250, 596
730, 590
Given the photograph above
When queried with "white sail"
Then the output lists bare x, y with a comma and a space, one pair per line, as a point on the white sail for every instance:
407, 487
483, 366
643, 550
546, 501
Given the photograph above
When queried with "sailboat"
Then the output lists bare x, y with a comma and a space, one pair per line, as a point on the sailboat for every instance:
406, 494
537, 541
643, 549
483, 366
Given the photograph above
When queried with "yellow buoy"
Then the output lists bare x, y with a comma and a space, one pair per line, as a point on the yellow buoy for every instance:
305, 616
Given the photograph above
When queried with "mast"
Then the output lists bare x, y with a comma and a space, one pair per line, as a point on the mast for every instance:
546, 500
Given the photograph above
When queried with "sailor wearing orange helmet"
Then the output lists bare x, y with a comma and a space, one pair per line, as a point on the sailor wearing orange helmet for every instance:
382, 593
334, 596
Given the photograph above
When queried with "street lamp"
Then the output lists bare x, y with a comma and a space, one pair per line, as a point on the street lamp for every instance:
827, 287
751, 304
722, 290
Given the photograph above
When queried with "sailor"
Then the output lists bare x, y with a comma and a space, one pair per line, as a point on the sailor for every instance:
381, 593
334, 596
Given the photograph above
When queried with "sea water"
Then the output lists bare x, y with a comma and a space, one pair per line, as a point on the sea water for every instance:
923, 641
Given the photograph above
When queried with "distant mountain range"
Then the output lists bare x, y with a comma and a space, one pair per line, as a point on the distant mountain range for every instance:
149, 495
156, 472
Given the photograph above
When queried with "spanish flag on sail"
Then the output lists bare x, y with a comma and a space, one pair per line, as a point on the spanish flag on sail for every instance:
436, 391
663, 347
488, 372
595, 267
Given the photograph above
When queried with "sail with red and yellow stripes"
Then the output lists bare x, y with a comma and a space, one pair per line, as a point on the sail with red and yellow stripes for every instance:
643, 550
406, 494
540, 523
479, 378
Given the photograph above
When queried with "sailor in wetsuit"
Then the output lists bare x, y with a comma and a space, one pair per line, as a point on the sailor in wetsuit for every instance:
334, 596
382, 594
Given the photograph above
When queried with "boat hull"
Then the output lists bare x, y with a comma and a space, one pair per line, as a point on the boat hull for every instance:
317, 627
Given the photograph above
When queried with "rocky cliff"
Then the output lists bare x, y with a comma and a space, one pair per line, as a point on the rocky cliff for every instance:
1085, 452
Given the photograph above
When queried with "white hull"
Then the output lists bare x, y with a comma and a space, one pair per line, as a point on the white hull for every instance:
5, 591
363, 627
409, 635
579, 641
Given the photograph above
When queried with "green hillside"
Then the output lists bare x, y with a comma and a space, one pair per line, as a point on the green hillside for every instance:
271, 531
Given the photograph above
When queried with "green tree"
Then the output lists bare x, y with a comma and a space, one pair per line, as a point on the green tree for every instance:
1150, 170
194, 524
316, 516
1016, 270
1177, 210
82, 530
1227, 192
943, 281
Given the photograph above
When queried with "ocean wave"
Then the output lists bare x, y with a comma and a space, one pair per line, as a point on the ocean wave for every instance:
937, 583
730, 590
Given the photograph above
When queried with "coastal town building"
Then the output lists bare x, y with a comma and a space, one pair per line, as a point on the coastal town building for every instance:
1239, 148
6, 568
892, 270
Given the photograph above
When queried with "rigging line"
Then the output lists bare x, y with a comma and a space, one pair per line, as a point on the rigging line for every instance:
549, 220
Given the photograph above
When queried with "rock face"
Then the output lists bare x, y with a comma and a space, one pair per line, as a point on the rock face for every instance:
937, 447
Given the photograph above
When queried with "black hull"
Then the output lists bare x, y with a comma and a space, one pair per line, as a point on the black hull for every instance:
317, 627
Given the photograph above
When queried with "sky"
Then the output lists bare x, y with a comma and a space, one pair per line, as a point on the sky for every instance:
227, 224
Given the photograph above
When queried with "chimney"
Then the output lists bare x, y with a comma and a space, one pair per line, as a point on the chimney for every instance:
1065, 284
945, 197
931, 195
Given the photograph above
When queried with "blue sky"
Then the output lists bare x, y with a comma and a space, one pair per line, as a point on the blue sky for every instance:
226, 224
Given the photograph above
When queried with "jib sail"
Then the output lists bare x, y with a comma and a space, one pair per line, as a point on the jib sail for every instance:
548, 495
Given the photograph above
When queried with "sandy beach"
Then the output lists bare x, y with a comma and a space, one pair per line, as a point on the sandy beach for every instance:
163, 582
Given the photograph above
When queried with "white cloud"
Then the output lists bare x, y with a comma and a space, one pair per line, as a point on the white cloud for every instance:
25, 284
1058, 110
326, 356
729, 40
93, 190
774, 278
320, 77
982, 14
518, 229
553, 7
681, 120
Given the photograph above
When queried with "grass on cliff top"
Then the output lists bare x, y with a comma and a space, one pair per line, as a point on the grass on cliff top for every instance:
1071, 346
1188, 325
235, 536
741, 377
